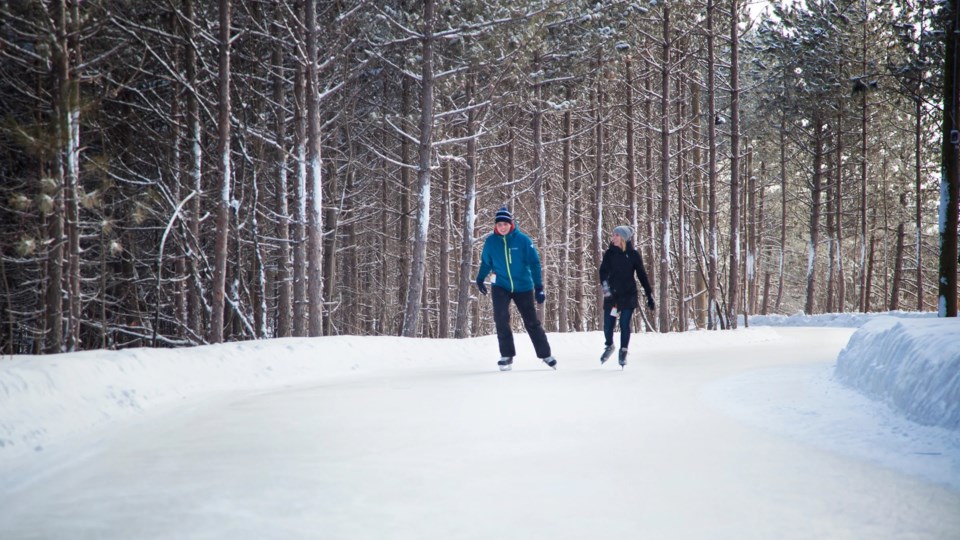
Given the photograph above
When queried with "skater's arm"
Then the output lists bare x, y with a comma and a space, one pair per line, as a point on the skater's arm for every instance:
641, 273
485, 263
533, 262
605, 267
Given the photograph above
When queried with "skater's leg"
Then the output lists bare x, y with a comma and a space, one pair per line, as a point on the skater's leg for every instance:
528, 312
625, 316
608, 322
501, 317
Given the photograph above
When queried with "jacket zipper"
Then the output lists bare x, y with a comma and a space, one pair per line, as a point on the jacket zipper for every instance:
506, 254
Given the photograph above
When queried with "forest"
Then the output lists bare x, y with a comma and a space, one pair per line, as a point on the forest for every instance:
185, 172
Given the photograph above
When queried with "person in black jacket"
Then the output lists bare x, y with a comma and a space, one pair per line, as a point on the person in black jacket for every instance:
620, 262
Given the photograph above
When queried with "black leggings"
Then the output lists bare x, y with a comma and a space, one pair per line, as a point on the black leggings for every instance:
528, 312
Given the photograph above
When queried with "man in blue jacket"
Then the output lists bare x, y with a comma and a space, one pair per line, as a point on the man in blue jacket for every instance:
512, 258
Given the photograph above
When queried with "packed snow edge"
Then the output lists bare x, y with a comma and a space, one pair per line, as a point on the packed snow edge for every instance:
913, 365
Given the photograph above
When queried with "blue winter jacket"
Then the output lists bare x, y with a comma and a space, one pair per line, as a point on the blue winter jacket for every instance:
514, 260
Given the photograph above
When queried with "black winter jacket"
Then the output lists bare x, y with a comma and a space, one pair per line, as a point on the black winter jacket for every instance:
617, 269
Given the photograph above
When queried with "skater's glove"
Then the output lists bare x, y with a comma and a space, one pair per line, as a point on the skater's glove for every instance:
541, 296
481, 287
650, 303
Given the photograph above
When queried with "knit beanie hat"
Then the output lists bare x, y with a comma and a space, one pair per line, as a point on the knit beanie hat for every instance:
503, 215
624, 232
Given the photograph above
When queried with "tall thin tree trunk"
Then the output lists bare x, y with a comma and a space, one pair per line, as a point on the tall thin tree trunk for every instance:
667, 53
314, 173
650, 192
815, 194
331, 242
565, 213
284, 285
713, 257
751, 230
300, 225
897, 268
837, 265
425, 150
870, 266
538, 189
598, 181
631, 150
831, 234
443, 284
195, 308
863, 168
72, 179
783, 210
918, 192
403, 286
733, 293
699, 197
469, 217
683, 178
223, 203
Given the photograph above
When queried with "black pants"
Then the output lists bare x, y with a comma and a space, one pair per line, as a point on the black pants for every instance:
609, 321
528, 312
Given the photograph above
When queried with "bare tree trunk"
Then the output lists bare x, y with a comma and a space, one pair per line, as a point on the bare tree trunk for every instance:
897, 269
284, 285
664, 311
713, 257
648, 254
331, 241
831, 235
300, 225
55, 256
863, 172
918, 192
565, 213
404, 241
195, 309
733, 294
699, 197
598, 182
538, 190
683, 177
223, 203
181, 288
462, 329
759, 262
838, 223
631, 150
870, 266
314, 173
443, 284
815, 194
580, 321
783, 210
413, 305
70, 97
259, 293
751, 227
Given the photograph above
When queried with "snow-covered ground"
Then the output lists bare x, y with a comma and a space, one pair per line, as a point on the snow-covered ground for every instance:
743, 434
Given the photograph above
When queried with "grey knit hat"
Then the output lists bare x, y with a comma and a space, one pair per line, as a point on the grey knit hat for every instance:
624, 232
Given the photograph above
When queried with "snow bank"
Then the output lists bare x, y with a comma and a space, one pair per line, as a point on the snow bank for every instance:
835, 320
43, 398
914, 365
